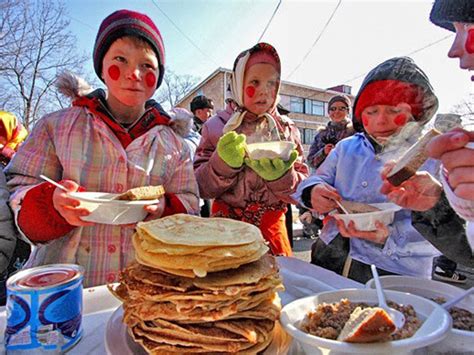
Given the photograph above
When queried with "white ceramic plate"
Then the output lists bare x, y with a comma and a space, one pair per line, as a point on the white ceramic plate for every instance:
457, 340
436, 322
107, 211
118, 341
366, 221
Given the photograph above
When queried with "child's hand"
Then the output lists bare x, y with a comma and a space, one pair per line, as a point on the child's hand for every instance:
323, 197
155, 211
378, 236
68, 206
231, 149
272, 169
421, 192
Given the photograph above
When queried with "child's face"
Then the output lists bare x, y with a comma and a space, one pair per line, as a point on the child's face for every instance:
463, 45
130, 71
260, 88
338, 111
382, 121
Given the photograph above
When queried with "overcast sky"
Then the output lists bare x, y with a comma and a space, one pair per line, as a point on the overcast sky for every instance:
201, 35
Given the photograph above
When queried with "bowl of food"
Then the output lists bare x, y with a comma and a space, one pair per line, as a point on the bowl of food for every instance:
316, 322
461, 336
270, 150
365, 215
126, 208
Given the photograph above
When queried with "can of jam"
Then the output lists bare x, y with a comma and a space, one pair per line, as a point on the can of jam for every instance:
44, 308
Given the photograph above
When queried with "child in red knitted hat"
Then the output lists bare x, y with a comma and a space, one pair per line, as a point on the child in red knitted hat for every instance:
393, 94
106, 142
254, 191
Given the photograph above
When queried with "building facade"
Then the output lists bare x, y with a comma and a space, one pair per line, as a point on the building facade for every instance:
307, 105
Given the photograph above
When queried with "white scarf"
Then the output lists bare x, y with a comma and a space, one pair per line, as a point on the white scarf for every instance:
237, 88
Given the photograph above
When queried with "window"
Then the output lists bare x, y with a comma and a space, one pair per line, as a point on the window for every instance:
314, 107
297, 104
307, 135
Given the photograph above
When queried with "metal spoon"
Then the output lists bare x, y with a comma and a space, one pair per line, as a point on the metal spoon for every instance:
397, 317
51, 181
449, 304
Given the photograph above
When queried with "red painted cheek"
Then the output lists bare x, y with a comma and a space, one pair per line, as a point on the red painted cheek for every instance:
250, 91
470, 41
114, 72
150, 80
365, 121
400, 120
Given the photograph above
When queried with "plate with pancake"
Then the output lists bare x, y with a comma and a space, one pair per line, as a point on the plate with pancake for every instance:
119, 341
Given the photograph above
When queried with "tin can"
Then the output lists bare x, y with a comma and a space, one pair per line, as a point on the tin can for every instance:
44, 308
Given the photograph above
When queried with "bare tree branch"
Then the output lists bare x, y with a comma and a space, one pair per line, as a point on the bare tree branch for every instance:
35, 45
174, 87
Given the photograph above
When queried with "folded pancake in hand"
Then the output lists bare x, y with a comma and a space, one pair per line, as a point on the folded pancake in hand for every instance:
412, 160
142, 193
357, 207
367, 325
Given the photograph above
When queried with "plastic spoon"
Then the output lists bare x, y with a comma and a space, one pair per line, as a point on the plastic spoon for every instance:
51, 181
342, 207
449, 304
397, 317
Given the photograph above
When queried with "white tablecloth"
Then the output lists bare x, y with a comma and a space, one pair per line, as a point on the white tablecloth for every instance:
300, 279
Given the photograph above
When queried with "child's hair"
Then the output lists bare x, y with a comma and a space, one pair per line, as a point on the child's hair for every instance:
397, 80
123, 23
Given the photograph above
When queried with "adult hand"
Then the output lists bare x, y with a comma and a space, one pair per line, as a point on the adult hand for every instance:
68, 207
421, 192
378, 236
8, 152
323, 197
155, 211
457, 160
272, 169
231, 149
328, 148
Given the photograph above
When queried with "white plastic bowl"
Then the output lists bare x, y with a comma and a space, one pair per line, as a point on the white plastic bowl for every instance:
457, 340
366, 221
436, 323
104, 210
276, 149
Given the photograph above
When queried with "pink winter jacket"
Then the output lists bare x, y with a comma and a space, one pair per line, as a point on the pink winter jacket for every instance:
242, 186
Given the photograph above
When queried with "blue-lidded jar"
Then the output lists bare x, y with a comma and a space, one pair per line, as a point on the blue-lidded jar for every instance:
44, 308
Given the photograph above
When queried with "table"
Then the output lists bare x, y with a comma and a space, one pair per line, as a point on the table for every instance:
299, 278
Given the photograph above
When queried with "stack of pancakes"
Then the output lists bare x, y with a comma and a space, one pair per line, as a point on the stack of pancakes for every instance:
200, 285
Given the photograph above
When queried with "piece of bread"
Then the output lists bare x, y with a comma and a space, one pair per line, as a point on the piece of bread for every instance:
412, 160
357, 207
142, 193
367, 325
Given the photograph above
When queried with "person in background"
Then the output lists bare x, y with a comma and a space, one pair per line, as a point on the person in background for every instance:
192, 138
8, 237
457, 168
393, 94
338, 128
251, 190
201, 107
105, 142
12, 134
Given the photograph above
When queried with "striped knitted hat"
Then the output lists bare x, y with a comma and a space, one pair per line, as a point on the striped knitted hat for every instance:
128, 23
445, 12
